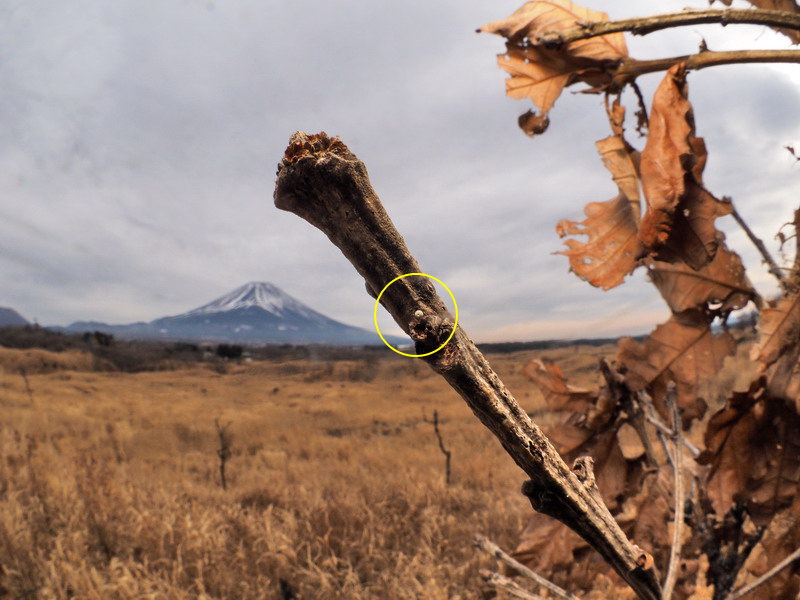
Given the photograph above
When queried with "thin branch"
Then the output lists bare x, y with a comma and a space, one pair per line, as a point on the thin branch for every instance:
448, 455
509, 586
321, 181
653, 419
743, 591
772, 266
28, 389
630, 68
679, 497
643, 26
485, 545
662, 431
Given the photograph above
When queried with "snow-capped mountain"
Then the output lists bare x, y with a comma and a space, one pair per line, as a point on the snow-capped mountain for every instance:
255, 313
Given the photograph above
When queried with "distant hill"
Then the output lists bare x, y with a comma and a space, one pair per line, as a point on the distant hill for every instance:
11, 318
255, 313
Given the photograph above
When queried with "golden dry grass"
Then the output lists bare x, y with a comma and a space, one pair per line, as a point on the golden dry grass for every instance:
110, 486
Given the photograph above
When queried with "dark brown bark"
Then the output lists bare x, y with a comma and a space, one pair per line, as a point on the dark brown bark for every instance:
320, 180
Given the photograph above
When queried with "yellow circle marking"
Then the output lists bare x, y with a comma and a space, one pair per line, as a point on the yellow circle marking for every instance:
378, 329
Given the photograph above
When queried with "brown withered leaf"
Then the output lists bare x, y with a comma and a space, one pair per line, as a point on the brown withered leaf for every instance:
785, 5
612, 249
722, 283
779, 329
558, 394
579, 409
683, 350
781, 538
753, 447
679, 222
783, 377
533, 124
540, 73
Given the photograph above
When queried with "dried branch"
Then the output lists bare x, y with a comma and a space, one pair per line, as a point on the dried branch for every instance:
630, 68
643, 26
320, 180
485, 545
28, 389
509, 586
653, 419
743, 591
679, 497
772, 266
447, 453
224, 450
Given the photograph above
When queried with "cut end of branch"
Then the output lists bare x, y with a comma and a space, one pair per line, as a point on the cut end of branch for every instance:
302, 145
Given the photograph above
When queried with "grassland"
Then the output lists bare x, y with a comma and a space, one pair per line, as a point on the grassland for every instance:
110, 486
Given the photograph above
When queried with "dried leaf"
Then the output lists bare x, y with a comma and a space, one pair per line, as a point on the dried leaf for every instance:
784, 5
558, 394
783, 377
629, 442
721, 283
540, 73
779, 329
533, 124
683, 350
612, 249
753, 447
781, 538
679, 222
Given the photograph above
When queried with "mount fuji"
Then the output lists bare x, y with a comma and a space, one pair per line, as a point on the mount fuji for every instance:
255, 313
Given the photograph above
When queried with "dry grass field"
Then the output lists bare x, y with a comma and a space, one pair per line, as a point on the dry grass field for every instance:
110, 484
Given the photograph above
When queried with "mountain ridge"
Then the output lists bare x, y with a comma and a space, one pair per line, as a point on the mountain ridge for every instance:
254, 313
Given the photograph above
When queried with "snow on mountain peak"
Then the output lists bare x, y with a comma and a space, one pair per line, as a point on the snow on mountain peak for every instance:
258, 294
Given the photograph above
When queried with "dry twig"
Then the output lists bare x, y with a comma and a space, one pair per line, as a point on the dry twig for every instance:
448, 454
509, 586
772, 266
679, 497
743, 591
485, 545
645, 25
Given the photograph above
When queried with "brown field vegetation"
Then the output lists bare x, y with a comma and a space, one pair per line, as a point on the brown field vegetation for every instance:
110, 481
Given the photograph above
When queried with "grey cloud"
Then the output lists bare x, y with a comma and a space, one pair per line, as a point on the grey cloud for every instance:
140, 141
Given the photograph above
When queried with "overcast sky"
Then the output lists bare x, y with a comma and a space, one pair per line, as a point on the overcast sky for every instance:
139, 140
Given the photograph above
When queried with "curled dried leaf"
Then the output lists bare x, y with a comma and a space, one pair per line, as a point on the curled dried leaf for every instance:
541, 73
612, 249
679, 222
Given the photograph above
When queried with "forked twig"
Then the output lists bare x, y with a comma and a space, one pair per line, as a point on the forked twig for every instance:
743, 591
508, 585
653, 419
485, 545
679, 496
